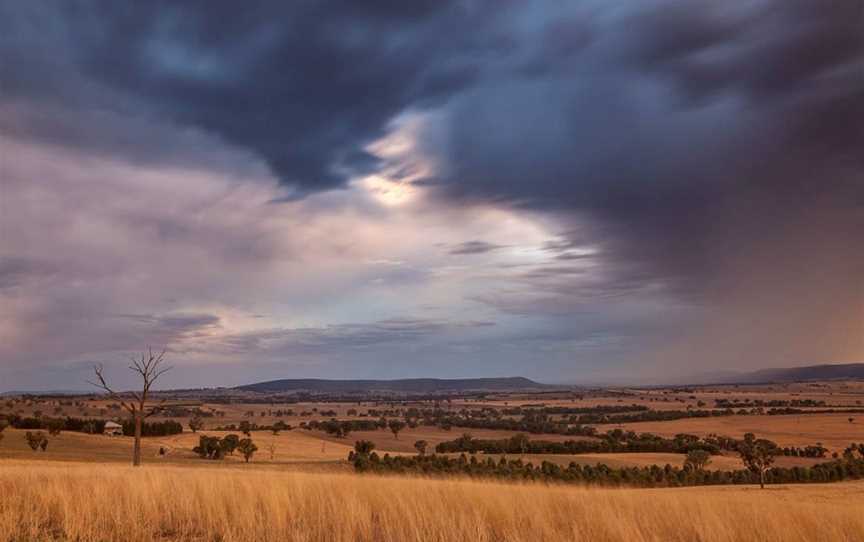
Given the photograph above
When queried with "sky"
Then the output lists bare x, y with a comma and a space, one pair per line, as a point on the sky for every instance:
569, 191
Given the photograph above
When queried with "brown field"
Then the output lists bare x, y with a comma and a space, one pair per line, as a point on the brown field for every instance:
290, 447
58, 501
834, 393
308, 449
299, 485
313, 447
833, 430
385, 441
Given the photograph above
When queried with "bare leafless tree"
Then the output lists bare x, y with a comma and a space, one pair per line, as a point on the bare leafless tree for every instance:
149, 367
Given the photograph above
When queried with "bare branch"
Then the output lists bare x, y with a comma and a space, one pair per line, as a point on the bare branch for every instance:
98, 369
156, 409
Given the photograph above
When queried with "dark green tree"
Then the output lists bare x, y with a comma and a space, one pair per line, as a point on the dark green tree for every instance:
362, 455
757, 455
210, 447
230, 443
520, 442
396, 426
279, 426
364, 447
697, 460
247, 448
196, 423
421, 446
55, 426
36, 440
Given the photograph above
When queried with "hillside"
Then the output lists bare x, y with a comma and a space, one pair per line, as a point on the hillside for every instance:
91, 503
408, 385
797, 374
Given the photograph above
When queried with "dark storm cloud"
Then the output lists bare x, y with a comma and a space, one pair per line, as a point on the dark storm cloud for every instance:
681, 133
474, 247
703, 150
304, 85
15, 271
650, 111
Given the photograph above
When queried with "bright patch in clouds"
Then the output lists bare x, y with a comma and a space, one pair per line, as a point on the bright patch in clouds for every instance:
562, 189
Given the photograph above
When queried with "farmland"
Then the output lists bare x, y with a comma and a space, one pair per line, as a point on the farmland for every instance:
303, 449
300, 444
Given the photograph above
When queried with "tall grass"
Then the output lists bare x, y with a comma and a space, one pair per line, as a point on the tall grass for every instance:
55, 501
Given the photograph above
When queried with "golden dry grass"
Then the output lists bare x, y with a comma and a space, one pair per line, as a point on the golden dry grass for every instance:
65, 501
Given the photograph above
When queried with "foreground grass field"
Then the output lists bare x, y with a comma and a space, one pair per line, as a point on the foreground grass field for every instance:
68, 501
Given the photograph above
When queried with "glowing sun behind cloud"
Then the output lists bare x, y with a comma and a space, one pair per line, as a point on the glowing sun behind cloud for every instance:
403, 159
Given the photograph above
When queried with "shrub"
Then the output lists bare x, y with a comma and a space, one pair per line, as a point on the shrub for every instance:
247, 448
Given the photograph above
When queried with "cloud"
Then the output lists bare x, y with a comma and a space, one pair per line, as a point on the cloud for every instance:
474, 247
109, 257
14, 271
687, 173
706, 151
304, 87
335, 339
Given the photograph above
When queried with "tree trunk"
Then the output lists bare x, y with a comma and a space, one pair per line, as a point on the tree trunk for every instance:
761, 479
136, 451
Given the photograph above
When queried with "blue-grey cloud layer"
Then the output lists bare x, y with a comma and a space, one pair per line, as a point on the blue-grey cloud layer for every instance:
705, 153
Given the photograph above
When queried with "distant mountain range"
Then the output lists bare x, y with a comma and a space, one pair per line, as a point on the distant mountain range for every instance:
790, 374
407, 385
43, 392
851, 371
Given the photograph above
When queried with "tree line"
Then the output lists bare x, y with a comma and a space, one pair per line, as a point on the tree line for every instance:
217, 448
615, 441
93, 425
756, 454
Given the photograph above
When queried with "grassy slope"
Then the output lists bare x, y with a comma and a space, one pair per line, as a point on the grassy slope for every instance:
104, 502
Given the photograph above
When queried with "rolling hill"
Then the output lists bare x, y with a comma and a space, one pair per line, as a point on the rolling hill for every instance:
795, 374
408, 385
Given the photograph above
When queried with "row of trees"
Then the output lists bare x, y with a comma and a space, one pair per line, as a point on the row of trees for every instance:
218, 448
572, 420
616, 441
619, 441
757, 455
737, 403
342, 428
55, 426
246, 427
806, 451
565, 410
